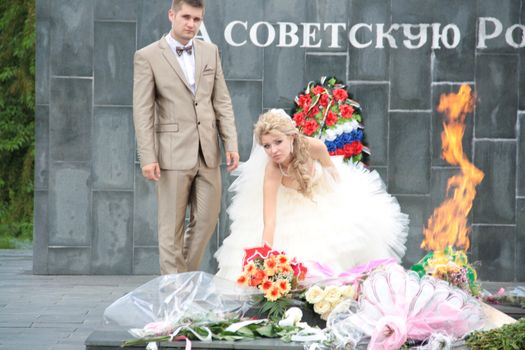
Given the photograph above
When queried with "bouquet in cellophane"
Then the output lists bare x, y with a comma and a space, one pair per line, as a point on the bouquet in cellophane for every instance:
275, 274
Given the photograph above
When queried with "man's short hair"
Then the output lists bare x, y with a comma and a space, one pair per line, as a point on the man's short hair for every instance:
177, 4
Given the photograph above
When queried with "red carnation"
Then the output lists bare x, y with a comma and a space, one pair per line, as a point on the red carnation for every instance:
340, 94
323, 101
346, 111
357, 147
310, 127
318, 90
348, 150
304, 101
339, 152
313, 111
331, 118
299, 118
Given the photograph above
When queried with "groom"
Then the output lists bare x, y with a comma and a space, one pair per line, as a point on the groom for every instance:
181, 107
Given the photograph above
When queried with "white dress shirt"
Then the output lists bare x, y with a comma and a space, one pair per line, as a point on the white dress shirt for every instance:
186, 61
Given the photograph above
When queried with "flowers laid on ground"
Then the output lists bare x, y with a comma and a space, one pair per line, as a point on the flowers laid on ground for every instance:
274, 273
325, 299
397, 306
515, 297
451, 266
290, 328
200, 306
391, 315
324, 110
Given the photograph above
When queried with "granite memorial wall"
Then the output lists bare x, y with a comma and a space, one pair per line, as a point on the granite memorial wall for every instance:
95, 214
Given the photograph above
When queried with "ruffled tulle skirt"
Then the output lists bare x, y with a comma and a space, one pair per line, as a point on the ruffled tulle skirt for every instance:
347, 221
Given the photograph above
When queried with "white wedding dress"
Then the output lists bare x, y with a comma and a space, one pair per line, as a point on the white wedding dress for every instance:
347, 222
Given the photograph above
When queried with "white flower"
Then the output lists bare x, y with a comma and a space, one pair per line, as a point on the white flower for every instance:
325, 315
292, 317
348, 291
333, 294
348, 126
333, 305
331, 134
314, 295
339, 129
322, 307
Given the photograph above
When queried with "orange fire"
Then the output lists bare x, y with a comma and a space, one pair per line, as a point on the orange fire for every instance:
448, 227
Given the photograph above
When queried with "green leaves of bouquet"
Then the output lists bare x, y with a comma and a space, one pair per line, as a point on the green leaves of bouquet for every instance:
221, 330
274, 310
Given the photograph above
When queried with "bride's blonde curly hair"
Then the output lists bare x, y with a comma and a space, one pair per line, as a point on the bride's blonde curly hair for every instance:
276, 122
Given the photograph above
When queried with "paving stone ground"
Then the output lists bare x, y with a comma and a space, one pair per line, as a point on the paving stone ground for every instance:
53, 312
60, 312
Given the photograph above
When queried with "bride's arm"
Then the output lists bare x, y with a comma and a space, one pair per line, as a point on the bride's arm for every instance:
272, 180
319, 152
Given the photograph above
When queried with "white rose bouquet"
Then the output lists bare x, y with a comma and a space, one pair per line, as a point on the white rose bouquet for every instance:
325, 299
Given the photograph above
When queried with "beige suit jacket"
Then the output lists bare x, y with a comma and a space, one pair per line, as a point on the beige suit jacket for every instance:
171, 122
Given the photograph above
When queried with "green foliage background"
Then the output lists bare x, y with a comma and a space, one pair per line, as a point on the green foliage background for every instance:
17, 124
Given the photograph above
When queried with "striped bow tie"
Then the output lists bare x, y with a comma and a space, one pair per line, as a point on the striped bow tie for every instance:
180, 50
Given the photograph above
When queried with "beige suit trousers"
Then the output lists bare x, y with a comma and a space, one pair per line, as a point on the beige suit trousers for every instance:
180, 249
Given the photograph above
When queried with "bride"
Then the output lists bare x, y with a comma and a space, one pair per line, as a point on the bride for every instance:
292, 195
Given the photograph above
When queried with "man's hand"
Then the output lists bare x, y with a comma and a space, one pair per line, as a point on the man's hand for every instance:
232, 161
151, 171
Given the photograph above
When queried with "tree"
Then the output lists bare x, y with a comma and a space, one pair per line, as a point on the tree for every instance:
17, 125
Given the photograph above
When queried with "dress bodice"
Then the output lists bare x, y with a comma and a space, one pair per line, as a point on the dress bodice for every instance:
322, 182
317, 173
